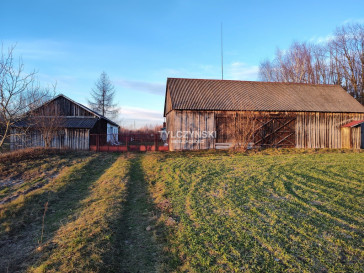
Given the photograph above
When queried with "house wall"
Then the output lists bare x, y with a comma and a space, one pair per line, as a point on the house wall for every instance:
76, 139
112, 133
312, 129
100, 127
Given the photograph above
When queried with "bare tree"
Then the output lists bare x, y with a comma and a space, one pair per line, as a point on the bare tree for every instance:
339, 61
348, 53
19, 92
103, 96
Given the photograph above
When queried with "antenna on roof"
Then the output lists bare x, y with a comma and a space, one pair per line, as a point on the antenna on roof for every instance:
222, 57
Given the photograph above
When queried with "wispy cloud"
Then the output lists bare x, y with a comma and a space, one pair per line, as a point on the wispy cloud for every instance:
142, 86
353, 21
38, 49
321, 39
242, 71
233, 71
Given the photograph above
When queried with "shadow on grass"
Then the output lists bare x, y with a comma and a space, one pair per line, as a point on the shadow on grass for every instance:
135, 245
21, 221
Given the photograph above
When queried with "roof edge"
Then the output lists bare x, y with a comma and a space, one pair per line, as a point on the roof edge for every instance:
288, 83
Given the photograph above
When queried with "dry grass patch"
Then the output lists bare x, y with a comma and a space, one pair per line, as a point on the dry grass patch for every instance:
85, 241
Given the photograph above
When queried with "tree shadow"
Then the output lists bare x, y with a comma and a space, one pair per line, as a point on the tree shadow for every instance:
18, 244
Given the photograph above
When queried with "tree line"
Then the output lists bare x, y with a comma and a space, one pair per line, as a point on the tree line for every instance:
339, 60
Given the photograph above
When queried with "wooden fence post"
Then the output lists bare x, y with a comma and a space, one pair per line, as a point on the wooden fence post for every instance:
126, 143
155, 142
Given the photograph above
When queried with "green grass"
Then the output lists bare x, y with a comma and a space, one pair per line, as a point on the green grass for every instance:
269, 211
96, 215
261, 213
84, 240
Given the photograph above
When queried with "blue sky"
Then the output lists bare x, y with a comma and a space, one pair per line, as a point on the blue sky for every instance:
141, 43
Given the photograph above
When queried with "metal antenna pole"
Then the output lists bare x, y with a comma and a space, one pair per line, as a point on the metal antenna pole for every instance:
222, 57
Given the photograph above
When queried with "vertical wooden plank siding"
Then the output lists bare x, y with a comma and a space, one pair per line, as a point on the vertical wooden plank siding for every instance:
346, 137
312, 129
323, 130
189, 125
76, 139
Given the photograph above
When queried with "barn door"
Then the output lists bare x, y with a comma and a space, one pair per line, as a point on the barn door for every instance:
275, 132
346, 138
225, 128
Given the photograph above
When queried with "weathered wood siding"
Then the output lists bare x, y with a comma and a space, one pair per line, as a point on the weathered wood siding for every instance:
345, 138
181, 122
64, 107
323, 130
76, 139
312, 129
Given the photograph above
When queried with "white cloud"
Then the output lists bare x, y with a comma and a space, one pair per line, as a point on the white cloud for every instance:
242, 71
142, 86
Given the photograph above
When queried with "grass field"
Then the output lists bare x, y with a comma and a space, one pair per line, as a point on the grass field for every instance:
284, 211
261, 213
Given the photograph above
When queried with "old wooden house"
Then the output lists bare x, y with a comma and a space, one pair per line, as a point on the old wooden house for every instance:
72, 123
207, 114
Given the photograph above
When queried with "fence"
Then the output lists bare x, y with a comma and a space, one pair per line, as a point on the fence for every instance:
127, 142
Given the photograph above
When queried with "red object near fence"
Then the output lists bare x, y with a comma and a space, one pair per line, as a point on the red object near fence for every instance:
138, 142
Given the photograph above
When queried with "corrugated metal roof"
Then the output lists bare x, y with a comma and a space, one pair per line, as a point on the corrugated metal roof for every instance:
353, 123
82, 123
202, 94
66, 122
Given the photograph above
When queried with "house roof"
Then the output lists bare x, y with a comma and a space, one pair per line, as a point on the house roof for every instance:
203, 94
353, 123
67, 122
84, 107
88, 109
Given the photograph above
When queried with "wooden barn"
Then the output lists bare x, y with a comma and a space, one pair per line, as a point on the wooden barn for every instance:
73, 122
208, 114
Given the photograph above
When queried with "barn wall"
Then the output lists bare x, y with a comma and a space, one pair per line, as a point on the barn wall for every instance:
323, 130
76, 139
179, 123
312, 129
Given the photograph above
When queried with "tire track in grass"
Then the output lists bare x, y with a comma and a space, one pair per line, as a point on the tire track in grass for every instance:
247, 215
140, 251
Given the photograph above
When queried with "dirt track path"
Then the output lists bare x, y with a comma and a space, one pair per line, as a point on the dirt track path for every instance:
140, 251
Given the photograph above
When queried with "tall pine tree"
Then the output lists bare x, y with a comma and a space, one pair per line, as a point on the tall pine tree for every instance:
103, 96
